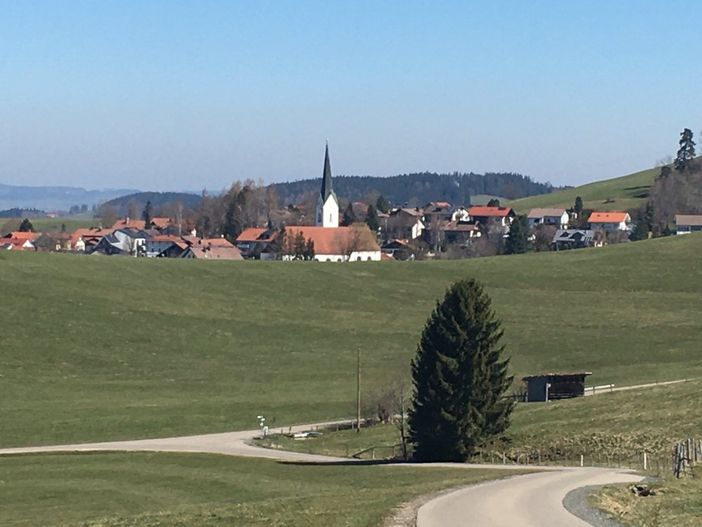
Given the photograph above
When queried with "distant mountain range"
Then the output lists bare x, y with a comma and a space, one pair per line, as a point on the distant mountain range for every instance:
54, 198
420, 188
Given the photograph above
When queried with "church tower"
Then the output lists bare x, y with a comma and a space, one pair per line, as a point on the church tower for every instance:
327, 204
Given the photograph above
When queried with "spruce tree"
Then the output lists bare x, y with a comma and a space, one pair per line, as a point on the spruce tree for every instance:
372, 219
517, 242
148, 215
578, 208
26, 226
460, 377
686, 153
349, 216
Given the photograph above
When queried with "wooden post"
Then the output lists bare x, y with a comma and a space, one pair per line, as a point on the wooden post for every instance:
645, 461
358, 390
582, 460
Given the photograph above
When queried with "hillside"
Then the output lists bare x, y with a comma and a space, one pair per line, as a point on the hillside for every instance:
158, 200
54, 198
419, 188
107, 348
621, 193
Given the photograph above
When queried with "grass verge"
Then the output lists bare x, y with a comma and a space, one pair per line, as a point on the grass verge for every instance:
145, 489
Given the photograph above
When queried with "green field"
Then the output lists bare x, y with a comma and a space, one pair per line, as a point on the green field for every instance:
120, 490
115, 348
622, 193
612, 428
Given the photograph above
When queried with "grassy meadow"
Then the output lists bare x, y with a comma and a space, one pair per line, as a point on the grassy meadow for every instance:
149, 489
621, 193
608, 428
101, 348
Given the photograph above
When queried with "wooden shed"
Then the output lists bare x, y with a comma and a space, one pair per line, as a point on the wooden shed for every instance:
552, 386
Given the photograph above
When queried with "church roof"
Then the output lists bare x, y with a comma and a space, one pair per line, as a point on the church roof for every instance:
327, 177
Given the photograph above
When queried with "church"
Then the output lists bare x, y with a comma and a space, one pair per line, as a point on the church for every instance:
332, 243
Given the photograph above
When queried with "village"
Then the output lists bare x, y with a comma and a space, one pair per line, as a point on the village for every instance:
438, 229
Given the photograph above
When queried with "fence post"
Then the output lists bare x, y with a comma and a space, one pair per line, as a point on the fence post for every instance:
645, 461
582, 460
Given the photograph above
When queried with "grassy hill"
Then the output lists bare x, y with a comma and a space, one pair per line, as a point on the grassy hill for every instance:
622, 193
108, 348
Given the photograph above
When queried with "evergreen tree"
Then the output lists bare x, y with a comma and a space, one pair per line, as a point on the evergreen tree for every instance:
148, 215
26, 226
517, 242
349, 217
309, 250
686, 153
459, 377
578, 208
372, 219
382, 204
494, 202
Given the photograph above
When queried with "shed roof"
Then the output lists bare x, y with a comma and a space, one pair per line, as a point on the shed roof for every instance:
688, 219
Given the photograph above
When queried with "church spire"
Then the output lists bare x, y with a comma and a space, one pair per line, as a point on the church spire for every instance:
326, 176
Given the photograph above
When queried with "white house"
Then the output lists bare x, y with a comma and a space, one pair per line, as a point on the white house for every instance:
610, 221
687, 223
341, 244
557, 217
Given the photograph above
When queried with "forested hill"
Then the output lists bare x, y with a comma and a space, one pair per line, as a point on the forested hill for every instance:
419, 188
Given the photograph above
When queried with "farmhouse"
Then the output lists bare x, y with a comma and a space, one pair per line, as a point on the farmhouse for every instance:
552, 386
405, 223
492, 216
557, 217
610, 221
687, 223
19, 241
573, 239
254, 242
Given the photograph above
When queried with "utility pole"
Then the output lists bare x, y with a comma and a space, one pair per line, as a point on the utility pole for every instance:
358, 390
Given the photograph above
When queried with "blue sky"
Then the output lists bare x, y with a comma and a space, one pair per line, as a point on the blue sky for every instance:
186, 95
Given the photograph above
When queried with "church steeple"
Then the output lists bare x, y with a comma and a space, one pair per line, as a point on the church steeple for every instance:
326, 176
327, 213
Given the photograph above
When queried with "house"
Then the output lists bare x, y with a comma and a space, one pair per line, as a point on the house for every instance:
340, 244
398, 250
165, 246
687, 223
83, 240
492, 216
19, 241
254, 242
53, 241
457, 232
573, 239
405, 223
553, 386
556, 217
125, 241
437, 211
610, 221
212, 249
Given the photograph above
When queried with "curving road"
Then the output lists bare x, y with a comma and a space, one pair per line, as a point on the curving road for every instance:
532, 500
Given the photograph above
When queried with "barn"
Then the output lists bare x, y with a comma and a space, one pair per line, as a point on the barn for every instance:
553, 386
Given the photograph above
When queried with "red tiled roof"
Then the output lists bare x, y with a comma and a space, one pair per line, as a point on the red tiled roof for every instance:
482, 211
161, 223
128, 223
253, 234
608, 217
329, 240
19, 235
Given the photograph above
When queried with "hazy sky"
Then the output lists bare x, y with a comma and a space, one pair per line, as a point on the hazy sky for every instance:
184, 95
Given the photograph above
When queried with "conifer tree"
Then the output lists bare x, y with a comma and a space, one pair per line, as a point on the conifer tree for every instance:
578, 208
460, 377
349, 216
517, 242
148, 215
372, 219
686, 153
382, 204
26, 226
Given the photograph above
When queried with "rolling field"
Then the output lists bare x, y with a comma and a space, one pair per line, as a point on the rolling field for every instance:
120, 490
99, 348
622, 193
